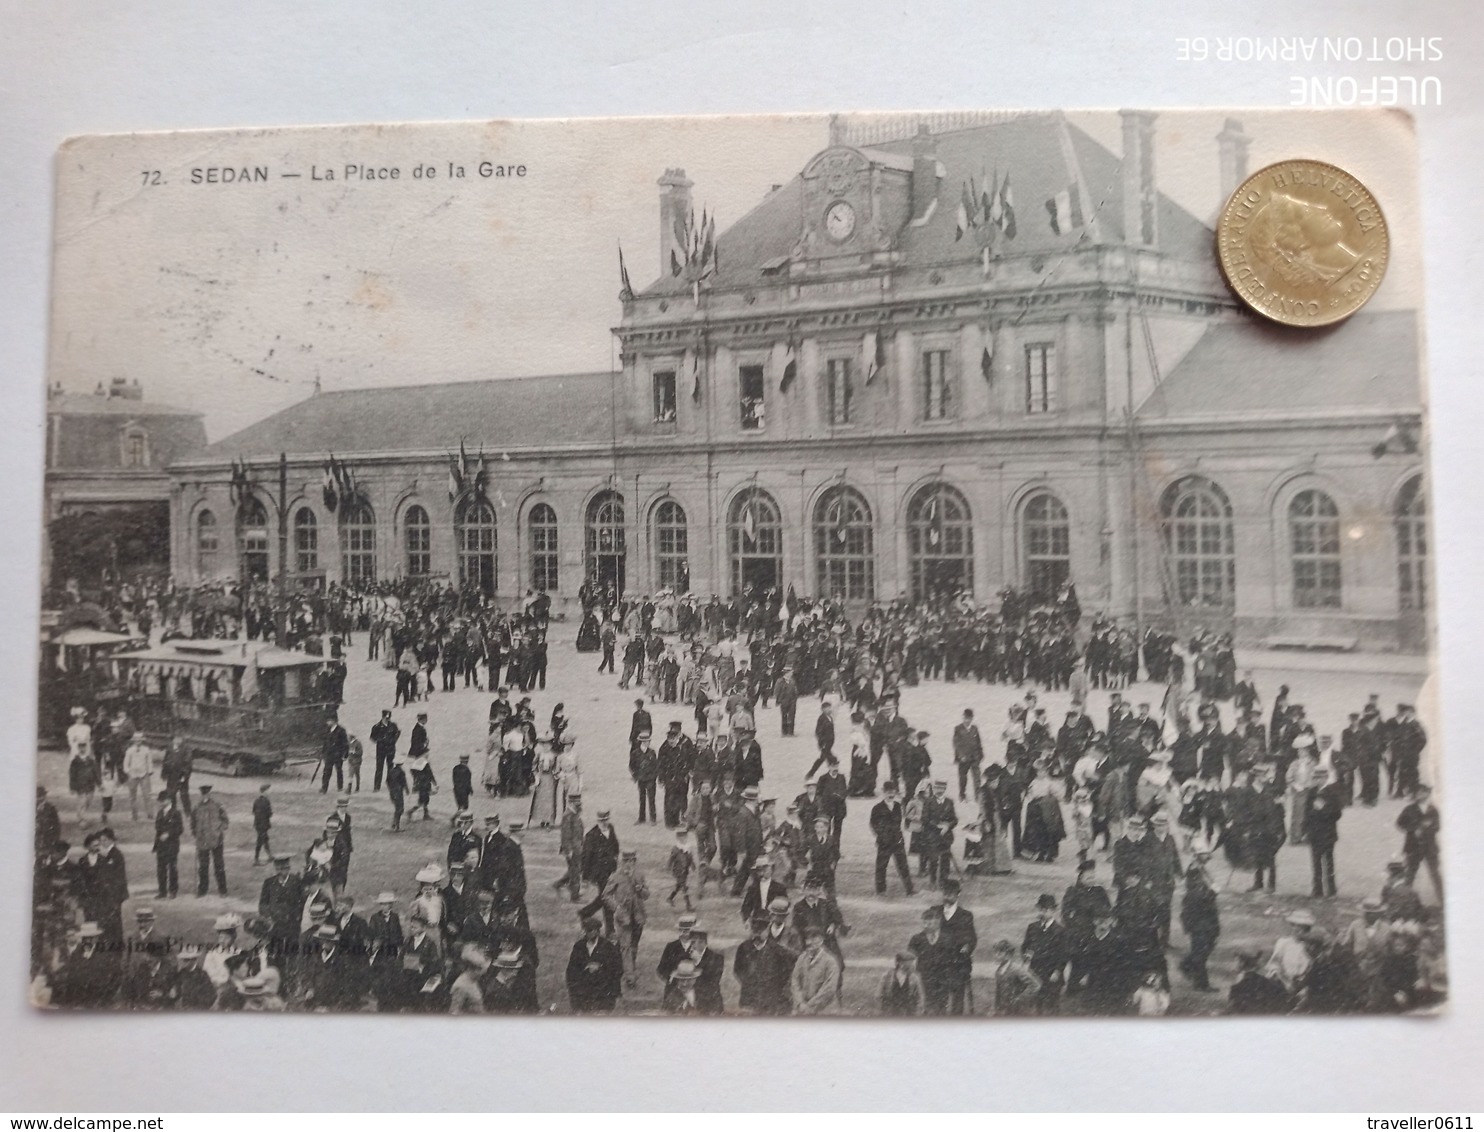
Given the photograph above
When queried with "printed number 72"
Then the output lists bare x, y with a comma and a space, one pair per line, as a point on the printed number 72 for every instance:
151, 177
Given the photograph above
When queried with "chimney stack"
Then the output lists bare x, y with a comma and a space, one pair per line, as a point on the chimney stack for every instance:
924, 172
1140, 195
675, 207
1232, 146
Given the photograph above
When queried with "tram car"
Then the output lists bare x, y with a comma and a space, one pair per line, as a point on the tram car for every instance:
77, 670
247, 706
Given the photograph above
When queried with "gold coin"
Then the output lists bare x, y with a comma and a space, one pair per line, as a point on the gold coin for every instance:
1303, 243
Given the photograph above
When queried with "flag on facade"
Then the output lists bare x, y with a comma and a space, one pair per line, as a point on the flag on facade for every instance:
874, 353
961, 217
1007, 209
626, 289
790, 369
695, 375
455, 480
328, 486
674, 263
749, 523
934, 523
1065, 210
986, 365
994, 204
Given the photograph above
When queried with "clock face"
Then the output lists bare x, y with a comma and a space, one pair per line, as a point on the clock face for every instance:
839, 220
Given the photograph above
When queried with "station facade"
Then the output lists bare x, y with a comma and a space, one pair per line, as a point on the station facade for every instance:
895, 376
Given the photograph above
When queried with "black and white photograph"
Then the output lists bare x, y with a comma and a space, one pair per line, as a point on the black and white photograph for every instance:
866, 565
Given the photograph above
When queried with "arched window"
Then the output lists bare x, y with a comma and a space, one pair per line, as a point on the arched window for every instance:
252, 539
1047, 538
844, 546
940, 543
1411, 545
358, 542
417, 541
543, 525
755, 541
306, 541
605, 543
474, 531
207, 544
1200, 543
1314, 546
671, 547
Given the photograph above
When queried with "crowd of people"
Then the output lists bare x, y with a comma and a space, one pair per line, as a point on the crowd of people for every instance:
1156, 803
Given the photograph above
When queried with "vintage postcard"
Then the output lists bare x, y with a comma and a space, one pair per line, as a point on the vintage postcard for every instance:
825, 565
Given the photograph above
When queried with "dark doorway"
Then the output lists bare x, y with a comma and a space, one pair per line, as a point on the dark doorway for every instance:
759, 573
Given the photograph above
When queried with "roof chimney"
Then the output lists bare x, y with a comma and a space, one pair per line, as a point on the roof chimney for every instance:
1231, 146
924, 173
1140, 196
675, 210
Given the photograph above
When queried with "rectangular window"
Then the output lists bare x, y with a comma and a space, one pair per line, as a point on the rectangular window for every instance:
544, 572
664, 396
750, 390
306, 548
419, 550
839, 390
137, 456
936, 404
1040, 377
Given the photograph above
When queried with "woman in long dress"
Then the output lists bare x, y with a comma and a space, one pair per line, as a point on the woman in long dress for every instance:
568, 769
1044, 827
588, 633
544, 796
664, 612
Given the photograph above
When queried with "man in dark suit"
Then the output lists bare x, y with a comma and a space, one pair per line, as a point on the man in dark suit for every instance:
332, 755
641, 724
762, 890
676, 755
418, 743
678, 948
384, 943
833, 789
464, 841
824, 737
489, 852
968, 754
762, 967
710, 966
1045, 947
962, 939
480, 922
747, 838
936, 961
1421, 823
886, 825
594, 971
384, 733
599, 860
749, 759
510, 868
281, 903
939, 819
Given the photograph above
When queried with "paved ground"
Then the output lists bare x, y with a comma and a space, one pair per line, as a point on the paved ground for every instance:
600, 713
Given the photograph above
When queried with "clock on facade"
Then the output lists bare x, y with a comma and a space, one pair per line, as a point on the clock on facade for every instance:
839, 220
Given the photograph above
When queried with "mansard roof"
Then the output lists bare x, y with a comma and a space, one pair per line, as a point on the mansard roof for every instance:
1369, 361
496, 414
1042, 153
